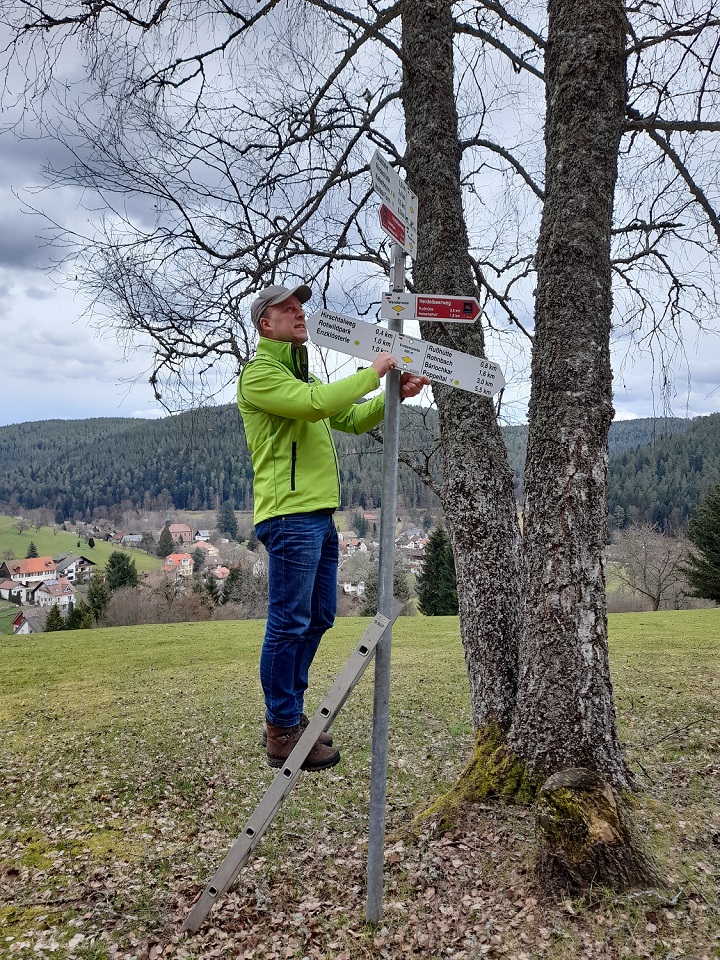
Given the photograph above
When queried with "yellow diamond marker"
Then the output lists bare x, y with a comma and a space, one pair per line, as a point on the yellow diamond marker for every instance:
398, 308
406, 359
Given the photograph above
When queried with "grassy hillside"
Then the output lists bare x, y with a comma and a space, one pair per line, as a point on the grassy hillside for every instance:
131, 764
50, 544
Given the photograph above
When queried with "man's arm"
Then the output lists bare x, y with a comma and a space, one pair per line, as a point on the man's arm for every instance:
269, 387
364, 416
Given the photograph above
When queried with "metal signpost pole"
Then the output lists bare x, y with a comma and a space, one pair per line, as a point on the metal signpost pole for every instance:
381, 701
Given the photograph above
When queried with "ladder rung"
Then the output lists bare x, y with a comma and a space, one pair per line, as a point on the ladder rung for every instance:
285, 780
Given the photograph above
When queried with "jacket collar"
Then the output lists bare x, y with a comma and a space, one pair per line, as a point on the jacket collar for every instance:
294, 357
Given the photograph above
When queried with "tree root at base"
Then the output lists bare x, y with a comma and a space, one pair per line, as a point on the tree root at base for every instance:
586, 837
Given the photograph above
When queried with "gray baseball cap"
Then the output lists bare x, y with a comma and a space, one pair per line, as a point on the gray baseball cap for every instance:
276, 294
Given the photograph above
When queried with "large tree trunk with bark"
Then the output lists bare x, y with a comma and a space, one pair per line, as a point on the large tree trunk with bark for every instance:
565, 716
477, 498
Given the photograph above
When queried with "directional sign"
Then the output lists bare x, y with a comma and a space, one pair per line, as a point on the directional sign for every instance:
392, 225
440, 364
399, 204
422, 306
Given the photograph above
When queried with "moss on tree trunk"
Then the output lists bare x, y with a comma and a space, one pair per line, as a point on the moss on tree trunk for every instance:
586, 837
493, 772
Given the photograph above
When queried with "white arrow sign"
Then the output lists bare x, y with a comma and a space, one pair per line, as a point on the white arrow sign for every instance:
440, 364
398, 213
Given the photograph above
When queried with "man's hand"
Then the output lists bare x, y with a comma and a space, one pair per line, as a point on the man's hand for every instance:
411, 384
384, 362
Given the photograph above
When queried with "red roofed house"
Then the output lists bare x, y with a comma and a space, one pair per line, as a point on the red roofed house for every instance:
180, 532
32, 570
58, 593
181, 564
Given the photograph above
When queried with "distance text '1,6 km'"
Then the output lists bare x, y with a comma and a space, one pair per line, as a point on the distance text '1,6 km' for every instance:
439, 364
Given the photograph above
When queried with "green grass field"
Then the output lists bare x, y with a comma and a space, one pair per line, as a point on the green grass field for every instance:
130, 764
50, 544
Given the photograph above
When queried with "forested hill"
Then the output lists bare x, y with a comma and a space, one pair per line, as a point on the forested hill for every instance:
195, 460
191, 461
663, 482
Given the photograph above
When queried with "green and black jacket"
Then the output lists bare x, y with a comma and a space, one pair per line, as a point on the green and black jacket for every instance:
289, 416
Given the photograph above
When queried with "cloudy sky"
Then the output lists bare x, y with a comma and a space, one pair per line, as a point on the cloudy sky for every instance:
57, 366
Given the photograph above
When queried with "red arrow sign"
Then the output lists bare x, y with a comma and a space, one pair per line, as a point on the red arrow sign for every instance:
446, 308
392, 225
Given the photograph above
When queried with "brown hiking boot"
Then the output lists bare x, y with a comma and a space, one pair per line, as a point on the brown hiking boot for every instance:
324, 737
281, 742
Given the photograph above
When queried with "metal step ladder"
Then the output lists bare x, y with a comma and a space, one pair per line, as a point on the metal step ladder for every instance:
283, 783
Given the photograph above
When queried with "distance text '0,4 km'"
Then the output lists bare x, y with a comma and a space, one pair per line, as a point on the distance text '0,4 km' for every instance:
439, 364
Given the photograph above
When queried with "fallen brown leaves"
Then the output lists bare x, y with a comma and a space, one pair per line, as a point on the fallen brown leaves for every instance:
113, 820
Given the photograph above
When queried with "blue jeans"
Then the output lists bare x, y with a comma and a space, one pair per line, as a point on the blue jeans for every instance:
302, 585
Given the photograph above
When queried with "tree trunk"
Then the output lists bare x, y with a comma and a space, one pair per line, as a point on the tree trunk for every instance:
584, 833
477, 498
565, 716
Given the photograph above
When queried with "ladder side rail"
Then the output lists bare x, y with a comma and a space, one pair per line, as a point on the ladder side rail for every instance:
267, 808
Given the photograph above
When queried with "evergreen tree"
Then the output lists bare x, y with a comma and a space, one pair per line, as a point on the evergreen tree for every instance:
198, 558
401, 592
54, 620
703, 565
31, 551
360, 525
80, 617
120, 571
448, 598
226, 521
234, 587
211, 588
436, 585
253, 541
91, 542
98, 595
165, 543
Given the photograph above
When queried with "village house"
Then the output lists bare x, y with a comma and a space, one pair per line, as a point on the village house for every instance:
180, 532
181, 564
57, 593
13, 591
202, 535
73, 567
32, 570
207, 548
358, 589
29, 621
349, 543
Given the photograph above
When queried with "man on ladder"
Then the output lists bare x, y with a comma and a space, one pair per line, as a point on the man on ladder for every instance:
289, 415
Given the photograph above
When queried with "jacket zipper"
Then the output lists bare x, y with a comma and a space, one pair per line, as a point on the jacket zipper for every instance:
293, 460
